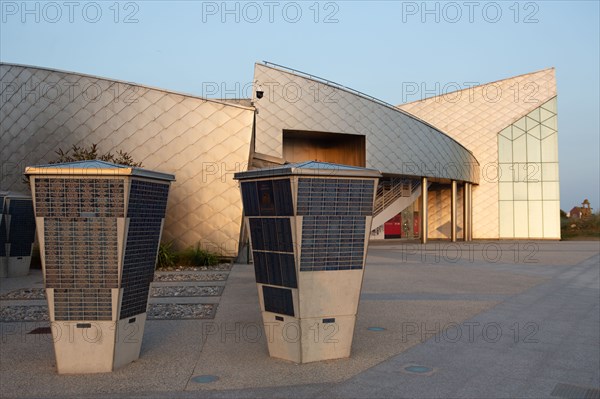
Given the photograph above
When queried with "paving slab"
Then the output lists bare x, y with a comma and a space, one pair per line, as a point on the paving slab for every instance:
485, 328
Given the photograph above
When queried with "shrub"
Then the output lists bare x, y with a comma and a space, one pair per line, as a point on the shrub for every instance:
588, 227
90, 153
167, 257
196, 256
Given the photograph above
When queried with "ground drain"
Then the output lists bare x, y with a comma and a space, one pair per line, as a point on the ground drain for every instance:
205, 379
418, 369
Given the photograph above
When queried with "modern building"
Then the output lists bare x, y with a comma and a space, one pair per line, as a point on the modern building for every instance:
489, 165
511, 128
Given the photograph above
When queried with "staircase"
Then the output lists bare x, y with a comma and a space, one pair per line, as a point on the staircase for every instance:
393, 196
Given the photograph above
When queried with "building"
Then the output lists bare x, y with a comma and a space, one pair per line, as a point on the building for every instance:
582, 211
489, 165
511, 127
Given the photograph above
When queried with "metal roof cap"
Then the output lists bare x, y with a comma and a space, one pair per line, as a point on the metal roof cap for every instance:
309, 168
95, 168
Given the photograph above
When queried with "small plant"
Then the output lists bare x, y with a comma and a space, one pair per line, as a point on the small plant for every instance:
167, 257
584, 228
196, 256
90, 153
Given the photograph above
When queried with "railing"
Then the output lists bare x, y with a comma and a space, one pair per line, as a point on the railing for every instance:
331, 83
390, 189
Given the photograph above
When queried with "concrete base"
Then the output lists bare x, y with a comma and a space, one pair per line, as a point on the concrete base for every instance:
85, 347
308, 340
18, 266
326, 339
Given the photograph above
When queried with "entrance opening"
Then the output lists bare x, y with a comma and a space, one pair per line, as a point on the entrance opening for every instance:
346, 149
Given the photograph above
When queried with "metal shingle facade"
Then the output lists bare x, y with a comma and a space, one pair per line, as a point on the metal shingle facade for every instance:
396, 142
200, 141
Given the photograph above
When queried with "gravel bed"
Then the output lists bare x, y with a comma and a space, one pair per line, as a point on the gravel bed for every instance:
24, 293
219, 267
178, 276
10, 314
185, 291
158, 311
155, 292
178, 311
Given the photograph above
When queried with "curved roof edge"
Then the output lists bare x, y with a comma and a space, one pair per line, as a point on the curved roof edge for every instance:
480, 85
359, 94
179, 93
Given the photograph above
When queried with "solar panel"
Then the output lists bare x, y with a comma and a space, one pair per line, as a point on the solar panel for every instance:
332, 243
83, 304
146, 209
318, 196
278, 300
283, 197
21, 232
273, 251
267, 198
79, 197
334, 223
81, 253
250, 199
147, 199
3, 235
271, 234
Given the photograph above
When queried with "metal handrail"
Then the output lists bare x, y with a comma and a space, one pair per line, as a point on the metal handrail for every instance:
390, 190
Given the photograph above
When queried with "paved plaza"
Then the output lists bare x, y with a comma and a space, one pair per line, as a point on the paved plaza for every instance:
475, 320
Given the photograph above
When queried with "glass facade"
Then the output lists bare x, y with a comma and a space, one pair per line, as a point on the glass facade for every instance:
406, 224
528, 187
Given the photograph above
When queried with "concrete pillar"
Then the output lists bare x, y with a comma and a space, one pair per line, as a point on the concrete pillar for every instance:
423, 210
466, 220
453, 212
470, 197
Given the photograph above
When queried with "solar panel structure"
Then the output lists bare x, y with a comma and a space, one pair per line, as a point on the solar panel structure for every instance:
332, 243
318, 196
334, 223
21, 232
267, 198
278, 300
80, 232
271, 232
146, 209
3, 228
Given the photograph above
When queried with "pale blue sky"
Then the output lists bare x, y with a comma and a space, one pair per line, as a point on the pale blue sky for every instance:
376, 47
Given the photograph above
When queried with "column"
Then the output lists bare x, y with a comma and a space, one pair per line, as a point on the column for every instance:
453, 212
466, 221
470, 196
423, 210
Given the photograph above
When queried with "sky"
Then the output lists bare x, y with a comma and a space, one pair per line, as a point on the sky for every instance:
384, 49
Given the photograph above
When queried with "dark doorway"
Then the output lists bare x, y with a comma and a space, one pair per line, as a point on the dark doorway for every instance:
346, 149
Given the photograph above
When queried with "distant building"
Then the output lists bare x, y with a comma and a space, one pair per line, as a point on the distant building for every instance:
582, 211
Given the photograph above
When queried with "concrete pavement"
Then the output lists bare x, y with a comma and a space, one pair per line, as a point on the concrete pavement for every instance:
487, 319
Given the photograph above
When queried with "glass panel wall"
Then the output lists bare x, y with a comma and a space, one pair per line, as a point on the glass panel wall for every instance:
528, 183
